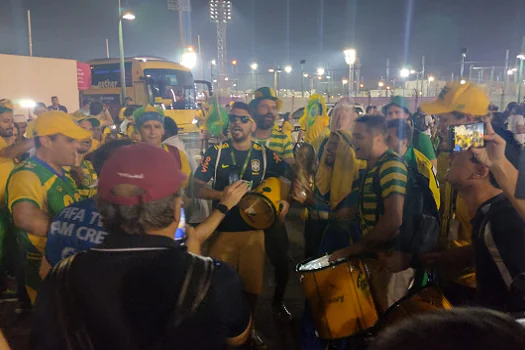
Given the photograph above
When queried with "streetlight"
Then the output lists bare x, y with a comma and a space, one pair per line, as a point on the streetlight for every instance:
320, 71
380, 84
189, 58
288, 69
521, 57
271, 70
512, 71
305, 75
213, 62
430, 80
254, 67
234, 62
127, 15
462, 82
345, 81
350, 59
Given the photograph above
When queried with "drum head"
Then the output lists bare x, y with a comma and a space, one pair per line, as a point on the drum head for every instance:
257, 211
320, 263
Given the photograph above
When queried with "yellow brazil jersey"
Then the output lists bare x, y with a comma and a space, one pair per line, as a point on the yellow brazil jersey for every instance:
185, 165
462, 214
36, 182
87, 189
6, 166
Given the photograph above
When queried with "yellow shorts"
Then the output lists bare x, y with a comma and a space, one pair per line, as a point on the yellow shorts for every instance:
244, 251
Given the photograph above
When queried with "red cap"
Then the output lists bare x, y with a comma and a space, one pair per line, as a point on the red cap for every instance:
150, 168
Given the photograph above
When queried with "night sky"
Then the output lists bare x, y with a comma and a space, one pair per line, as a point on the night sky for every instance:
260, 31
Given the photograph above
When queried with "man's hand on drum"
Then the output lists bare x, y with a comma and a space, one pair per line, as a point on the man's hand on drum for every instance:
354, 249
232, 194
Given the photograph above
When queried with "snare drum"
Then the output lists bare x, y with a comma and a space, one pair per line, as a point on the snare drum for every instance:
427, 299
260, 207
339, 296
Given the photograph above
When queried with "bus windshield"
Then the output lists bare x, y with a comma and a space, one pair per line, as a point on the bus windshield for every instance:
171, 84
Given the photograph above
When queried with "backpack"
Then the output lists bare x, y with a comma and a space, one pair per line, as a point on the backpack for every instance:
420, 230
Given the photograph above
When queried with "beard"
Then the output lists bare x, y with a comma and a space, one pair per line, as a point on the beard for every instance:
263, 123
6, 132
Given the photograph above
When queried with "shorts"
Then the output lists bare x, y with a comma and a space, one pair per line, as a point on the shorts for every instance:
244, 251
32, 248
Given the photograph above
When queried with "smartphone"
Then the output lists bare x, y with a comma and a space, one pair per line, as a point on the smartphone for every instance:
463, 137
233, 177
180, 234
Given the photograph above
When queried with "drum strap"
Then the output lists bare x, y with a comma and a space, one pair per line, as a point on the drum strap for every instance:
217, 165
264, 162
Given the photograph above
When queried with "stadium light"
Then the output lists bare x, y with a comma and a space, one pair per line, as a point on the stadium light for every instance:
404, 73
350, 56
189, 58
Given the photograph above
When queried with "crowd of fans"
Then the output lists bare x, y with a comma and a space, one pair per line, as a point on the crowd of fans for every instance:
104, 220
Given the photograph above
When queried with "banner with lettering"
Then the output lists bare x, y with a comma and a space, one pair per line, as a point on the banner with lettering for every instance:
83, 76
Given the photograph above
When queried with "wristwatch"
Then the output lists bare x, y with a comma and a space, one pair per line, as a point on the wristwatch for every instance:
222, 208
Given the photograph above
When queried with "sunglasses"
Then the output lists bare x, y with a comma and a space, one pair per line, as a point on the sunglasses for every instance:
243, 119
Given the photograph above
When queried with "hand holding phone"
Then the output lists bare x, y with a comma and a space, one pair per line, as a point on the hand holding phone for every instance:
466, 136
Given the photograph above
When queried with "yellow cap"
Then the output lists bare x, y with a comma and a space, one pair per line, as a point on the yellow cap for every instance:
54, 122
463, 98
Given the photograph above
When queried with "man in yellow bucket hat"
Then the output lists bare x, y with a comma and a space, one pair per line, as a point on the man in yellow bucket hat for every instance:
41, 187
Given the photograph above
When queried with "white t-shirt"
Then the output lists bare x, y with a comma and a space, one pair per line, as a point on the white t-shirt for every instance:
516, 120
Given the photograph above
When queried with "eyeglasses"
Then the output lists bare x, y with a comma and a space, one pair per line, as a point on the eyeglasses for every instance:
244, 119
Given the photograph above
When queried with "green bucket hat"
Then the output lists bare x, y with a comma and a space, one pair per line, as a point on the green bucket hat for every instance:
6, 106
265, 93
398, 101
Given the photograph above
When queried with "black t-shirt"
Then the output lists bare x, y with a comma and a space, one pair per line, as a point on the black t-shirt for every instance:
275, 166
499, 235
125, 298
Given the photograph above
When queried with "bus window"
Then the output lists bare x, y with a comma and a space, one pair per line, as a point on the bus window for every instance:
108, 75
171, 84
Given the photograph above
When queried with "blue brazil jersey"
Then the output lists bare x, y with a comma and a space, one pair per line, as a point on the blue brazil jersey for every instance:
75, 228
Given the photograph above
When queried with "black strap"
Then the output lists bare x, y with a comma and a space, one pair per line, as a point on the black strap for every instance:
194, 289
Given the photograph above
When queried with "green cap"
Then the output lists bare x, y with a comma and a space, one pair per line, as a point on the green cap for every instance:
398, 101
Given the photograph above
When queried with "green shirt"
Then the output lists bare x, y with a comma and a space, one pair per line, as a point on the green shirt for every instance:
36, 182
423, 144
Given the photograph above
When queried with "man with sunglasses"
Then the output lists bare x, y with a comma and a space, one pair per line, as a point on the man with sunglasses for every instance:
240, 157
